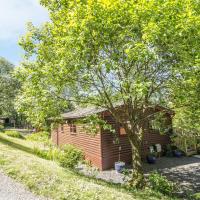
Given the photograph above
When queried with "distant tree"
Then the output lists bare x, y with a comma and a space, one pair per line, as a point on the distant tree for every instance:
8, 88
108, 51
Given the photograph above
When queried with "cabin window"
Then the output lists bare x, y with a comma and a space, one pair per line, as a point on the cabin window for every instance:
62, 128
122, 131
72, 128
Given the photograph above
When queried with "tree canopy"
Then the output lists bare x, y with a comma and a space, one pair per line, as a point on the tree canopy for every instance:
8, 88
101, 52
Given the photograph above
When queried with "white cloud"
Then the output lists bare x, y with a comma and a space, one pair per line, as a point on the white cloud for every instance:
14, 14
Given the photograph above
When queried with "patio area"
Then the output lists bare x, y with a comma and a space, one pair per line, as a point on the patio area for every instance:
185, 171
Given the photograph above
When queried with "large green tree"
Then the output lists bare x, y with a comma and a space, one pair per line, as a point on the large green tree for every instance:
8, 88
101, 52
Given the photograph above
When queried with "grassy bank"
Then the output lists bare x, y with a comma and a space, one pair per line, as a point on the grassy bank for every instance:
48, 179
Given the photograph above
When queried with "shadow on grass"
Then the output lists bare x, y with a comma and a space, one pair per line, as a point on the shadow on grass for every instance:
133, 191
16, 145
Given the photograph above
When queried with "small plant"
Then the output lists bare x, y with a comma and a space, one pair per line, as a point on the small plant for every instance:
14, 134
71, 156
161, 184
54, 153
41, 153
127, 175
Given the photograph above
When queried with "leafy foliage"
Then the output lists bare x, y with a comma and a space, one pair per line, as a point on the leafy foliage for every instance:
104, 52
71, 156
161, 184
93, 124
39, 136
161, 123
51, 153
38, 106
40, 152
196, 196
186, 99
8, 87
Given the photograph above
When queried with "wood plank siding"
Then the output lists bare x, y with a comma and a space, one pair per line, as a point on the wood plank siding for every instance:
110, 150
90, 145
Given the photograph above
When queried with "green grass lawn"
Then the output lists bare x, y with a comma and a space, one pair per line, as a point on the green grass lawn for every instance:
48, 179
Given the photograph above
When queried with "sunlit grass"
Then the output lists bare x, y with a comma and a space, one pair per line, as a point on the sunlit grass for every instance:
48, 179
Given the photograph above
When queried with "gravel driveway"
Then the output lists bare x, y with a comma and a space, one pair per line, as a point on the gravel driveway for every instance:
11, 190
184, 171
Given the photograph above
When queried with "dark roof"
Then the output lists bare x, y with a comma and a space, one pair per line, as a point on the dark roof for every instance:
82, 112
85, 112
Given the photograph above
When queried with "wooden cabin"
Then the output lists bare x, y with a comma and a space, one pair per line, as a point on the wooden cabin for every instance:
101, 150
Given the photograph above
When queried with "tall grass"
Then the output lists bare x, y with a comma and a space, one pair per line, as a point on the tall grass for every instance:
14, 134
39, 136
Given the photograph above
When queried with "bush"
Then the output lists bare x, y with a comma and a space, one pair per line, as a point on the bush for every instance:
14, 134
68, 157
39, 137
71, 156
161, 184
54, 153
41, 153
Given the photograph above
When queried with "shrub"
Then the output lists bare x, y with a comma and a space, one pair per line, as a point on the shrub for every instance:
14, 134
161, 184
41, 153
52, 153
68, 157
39, 136
71, 156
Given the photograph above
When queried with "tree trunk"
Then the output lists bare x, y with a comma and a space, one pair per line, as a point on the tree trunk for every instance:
135, 138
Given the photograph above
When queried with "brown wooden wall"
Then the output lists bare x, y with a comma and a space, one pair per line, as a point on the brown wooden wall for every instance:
110, 150
101, 149
91, 145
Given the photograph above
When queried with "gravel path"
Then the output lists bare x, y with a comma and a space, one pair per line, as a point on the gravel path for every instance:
185, 171
11, 190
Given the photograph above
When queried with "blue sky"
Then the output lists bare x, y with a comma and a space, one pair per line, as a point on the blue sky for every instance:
14, 14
